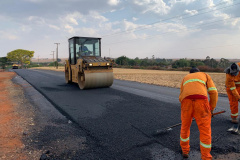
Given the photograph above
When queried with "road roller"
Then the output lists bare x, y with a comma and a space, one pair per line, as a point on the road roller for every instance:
85, 65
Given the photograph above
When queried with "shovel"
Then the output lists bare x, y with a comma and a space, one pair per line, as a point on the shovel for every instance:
165, 130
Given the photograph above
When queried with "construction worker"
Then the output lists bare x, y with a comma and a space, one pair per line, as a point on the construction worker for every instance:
195, 88
233, 89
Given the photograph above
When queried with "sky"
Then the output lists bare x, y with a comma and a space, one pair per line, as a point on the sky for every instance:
133, 28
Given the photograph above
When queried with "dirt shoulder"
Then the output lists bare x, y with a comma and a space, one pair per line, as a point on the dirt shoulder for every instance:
32, 128
15, 120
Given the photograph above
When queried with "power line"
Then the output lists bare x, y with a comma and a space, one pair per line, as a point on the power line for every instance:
208, 47
206, 24
178, 16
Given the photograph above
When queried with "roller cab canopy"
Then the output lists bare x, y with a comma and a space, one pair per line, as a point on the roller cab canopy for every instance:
83, 47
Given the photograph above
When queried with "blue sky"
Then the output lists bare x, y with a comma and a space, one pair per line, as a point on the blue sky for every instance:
134, 28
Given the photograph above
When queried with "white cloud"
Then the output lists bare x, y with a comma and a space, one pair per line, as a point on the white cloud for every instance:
72, 18
8, 35
221, 15
113, 2
210, 3
134, 19
191, 12
171, 27
129, 25
87, 32
157, 6
36, 20
228, 1
235, 21
25, 28
97, 16
188, 1
54, 27
34, 1
69, 29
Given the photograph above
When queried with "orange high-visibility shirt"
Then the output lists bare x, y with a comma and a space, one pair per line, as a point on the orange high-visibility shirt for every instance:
232, 82
199, 83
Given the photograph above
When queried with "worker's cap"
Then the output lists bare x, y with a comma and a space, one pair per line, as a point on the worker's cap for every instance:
234, 69
193, 70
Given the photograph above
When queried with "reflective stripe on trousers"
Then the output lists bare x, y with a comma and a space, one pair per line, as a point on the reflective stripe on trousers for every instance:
212, 89
233, 102
200, 110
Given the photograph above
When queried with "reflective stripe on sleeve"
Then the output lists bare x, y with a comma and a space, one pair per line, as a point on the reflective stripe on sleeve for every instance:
237, 82
232, 88
212, 88
194, 80
184, 140
236, 114
206, 145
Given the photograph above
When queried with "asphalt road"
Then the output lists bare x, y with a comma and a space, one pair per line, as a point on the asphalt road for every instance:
122, 118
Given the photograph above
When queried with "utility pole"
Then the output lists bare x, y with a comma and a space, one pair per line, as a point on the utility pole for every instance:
38, 60
53, 57
57, 55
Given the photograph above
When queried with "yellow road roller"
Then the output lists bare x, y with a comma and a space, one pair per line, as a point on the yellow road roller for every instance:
85, 65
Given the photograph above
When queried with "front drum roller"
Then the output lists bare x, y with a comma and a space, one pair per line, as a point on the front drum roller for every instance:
67, 77
95, 80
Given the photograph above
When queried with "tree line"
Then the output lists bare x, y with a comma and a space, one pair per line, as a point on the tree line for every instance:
208, 64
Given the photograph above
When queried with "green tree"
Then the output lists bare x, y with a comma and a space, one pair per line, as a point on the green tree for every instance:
20, 55
181, 63
137, 61
224, 63
3, 62
123, 60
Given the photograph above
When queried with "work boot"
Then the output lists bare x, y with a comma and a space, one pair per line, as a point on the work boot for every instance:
234, 120
185, 155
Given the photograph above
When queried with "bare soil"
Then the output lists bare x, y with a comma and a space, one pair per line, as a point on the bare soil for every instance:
15, 120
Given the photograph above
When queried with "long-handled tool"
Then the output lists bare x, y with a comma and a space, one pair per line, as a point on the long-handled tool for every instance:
162, 131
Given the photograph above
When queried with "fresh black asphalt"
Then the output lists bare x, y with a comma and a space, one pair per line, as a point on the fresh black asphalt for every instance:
122, 118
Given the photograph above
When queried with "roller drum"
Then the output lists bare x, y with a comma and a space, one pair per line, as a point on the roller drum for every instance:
96, 80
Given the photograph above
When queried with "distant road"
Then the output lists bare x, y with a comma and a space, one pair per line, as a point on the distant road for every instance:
121, 118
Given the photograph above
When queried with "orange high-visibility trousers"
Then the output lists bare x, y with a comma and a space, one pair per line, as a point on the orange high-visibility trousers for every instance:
233, 101
200, 110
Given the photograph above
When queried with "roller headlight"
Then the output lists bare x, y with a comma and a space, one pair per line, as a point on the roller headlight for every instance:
90, 64
107, 64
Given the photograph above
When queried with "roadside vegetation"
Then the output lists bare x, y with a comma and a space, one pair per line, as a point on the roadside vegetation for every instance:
206, 65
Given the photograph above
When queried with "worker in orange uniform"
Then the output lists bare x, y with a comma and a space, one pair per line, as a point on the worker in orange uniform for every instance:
195, 88
233, 89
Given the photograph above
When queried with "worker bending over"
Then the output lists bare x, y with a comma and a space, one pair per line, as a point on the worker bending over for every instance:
195, 88
233, 89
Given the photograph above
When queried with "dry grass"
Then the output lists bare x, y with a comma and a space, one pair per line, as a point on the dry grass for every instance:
164, 78
156, 77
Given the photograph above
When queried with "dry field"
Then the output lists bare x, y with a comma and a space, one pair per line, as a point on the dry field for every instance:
157, 77
164, 78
